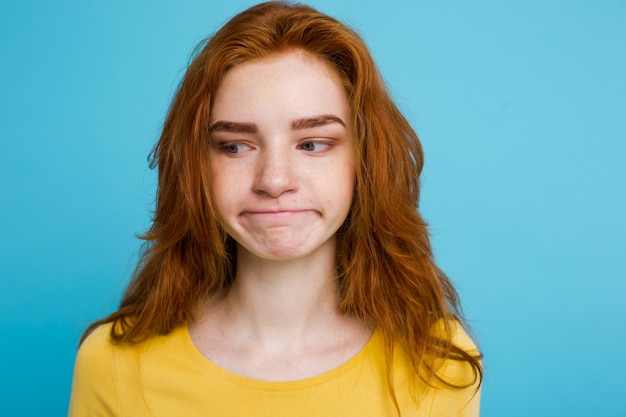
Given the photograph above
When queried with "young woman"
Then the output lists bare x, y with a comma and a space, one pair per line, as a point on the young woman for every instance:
288, 271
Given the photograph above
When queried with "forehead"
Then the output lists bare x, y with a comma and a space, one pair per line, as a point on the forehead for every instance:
295, 84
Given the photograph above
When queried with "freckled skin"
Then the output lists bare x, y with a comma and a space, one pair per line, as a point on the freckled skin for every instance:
282, 158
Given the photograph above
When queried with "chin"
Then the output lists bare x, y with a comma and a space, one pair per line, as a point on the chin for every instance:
293, 250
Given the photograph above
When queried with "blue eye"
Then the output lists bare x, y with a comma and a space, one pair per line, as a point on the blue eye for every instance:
312, 146
233, 147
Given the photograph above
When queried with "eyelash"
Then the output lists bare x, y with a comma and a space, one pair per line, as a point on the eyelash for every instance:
228, 146
326, 145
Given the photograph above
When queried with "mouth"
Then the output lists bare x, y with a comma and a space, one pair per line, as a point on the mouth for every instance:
278, 218
277, 213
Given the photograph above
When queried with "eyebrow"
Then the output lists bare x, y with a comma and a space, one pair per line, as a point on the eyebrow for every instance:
233, 127
298, 124
316, 121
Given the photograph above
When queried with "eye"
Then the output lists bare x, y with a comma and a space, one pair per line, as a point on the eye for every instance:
314, 146
234, 148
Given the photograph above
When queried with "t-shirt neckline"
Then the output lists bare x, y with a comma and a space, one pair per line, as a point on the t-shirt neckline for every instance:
274, 386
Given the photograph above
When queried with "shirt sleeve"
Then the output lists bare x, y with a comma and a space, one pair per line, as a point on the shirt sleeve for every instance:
94, 387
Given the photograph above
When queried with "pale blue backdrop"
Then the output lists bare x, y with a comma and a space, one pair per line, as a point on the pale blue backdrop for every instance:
521, 109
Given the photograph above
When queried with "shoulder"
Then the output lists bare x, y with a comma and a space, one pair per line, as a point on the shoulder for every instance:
460, 338
108, 375
454, 333
454, 369
97, 341
96, 352
461, 390
453, 389
94, 386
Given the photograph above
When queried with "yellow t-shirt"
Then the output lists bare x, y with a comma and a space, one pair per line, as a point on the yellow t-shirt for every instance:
168, 376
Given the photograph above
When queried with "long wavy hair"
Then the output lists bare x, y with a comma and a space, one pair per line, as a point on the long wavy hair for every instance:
386, 273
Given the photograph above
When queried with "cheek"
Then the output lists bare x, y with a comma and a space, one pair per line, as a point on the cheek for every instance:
344, 188
220, 192
349, 174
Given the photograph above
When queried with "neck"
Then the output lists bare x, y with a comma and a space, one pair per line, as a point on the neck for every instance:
283, 300
280, 320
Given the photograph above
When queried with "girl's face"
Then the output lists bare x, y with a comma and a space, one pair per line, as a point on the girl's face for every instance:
282, 156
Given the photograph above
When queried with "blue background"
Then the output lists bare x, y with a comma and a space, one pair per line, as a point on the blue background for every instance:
521, 110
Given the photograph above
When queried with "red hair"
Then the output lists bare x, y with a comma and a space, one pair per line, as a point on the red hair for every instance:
386, 273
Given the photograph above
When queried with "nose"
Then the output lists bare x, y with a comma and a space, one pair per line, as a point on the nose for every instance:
275, 174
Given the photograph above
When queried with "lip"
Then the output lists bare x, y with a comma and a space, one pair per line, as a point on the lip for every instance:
275, 212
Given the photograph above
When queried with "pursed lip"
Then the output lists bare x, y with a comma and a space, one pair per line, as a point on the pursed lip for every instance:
276, 212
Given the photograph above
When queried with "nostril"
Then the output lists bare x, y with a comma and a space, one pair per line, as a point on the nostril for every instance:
275, 178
